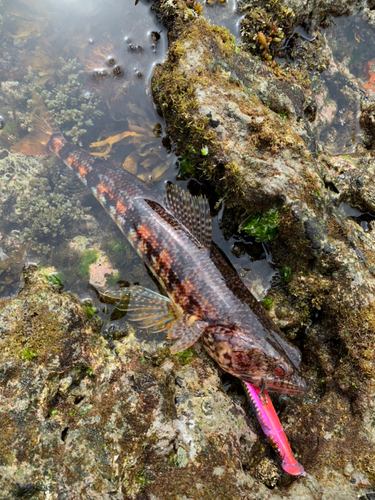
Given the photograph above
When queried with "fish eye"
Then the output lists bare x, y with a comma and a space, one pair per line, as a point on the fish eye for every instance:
281, 369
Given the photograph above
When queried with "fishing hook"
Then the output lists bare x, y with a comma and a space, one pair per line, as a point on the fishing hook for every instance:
261, 395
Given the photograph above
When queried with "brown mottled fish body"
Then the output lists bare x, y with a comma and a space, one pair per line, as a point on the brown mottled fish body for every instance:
173, 237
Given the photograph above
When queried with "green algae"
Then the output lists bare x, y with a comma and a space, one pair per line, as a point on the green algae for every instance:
263, 227
185, 357
286, 273
83, 411
89, 310
27, 354
172, 460
116, 246
87, 258
113, 279
267, 303
282, 115
187, 170
142, 479
54, 279
90, 372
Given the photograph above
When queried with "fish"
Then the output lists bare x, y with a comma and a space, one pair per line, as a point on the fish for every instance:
272, 428
203, 297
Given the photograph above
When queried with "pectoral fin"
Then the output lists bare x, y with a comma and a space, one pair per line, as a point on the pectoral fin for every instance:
152, 310
188, 331
149, 309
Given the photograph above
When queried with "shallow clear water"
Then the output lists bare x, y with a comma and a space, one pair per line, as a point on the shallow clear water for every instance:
91, 63
345, 84
223, 14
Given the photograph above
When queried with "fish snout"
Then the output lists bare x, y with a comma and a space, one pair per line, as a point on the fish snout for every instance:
294, 384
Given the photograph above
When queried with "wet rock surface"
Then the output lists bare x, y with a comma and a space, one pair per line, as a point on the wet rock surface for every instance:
82, 421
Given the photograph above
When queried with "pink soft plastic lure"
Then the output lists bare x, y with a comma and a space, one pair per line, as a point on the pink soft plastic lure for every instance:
272, 428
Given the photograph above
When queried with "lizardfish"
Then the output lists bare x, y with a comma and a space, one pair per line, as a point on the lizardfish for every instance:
271, 426
204, 296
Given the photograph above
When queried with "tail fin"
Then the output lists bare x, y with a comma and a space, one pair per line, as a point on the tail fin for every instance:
291, 466
37, 141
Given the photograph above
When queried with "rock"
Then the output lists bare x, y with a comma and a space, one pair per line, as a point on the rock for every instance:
81, 421
261, 155
319, 8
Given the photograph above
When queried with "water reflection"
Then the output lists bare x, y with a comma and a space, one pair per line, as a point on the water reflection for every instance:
224, 14
346, 85
91, 63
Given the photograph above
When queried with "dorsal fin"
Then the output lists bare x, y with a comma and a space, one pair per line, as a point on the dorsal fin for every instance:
193, 212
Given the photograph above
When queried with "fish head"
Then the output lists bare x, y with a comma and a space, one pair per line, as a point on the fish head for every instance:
252, 359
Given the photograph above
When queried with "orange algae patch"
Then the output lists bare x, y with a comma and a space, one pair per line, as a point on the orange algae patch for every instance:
109, 142
100, 270
369, 70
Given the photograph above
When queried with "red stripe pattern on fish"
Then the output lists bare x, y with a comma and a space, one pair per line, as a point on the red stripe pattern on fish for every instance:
204, 296
271, 426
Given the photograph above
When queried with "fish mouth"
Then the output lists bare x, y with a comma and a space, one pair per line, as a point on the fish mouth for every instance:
296, 387
294, 384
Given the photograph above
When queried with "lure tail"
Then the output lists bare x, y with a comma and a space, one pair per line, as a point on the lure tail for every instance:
46, 138
271, 426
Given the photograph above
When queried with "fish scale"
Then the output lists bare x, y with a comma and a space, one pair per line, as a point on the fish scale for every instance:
205, 298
